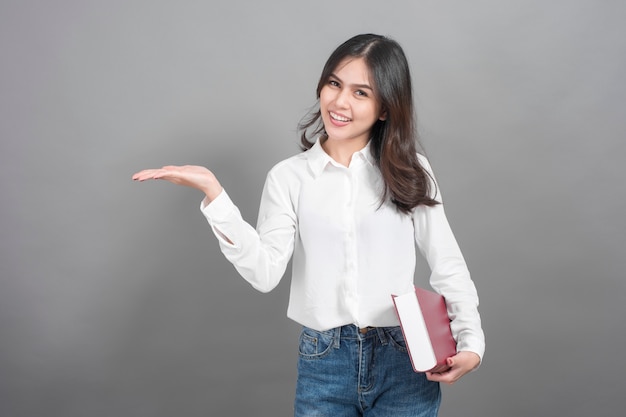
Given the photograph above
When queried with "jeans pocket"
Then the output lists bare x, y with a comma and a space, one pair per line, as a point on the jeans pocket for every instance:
314, 344
396, 338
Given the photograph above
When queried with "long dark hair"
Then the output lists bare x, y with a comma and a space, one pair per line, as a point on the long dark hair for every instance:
393, 140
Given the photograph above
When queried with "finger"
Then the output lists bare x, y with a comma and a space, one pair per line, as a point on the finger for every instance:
155, 174
439, 369
144, 175
435, 377
139, 174
163, 174
171, 171
446, 377
450, 376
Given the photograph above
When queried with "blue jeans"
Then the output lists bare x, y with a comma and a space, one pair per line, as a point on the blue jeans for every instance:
343, 373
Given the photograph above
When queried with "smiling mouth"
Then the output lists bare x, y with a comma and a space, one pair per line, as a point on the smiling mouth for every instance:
339, 118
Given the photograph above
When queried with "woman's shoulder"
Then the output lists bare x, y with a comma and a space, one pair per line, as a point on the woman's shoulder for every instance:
289, 171
423, 160
296, 161
300, 167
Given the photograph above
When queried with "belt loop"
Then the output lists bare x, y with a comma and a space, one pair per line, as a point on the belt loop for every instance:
382, 335
337, 337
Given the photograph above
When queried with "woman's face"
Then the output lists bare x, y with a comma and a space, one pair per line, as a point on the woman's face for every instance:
348, 104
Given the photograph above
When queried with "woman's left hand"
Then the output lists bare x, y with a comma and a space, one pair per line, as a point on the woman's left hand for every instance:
459, 364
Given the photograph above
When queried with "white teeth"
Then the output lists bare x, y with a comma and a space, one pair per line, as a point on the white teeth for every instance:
339, 118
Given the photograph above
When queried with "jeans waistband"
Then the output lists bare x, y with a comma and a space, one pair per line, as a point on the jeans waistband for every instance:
351, 331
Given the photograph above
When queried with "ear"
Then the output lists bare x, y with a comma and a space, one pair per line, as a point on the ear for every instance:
383, 115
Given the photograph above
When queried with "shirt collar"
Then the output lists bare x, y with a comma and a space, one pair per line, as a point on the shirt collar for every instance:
367, 153
318, 159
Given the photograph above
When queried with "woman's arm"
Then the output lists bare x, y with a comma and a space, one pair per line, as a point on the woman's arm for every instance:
451, 278
260, 255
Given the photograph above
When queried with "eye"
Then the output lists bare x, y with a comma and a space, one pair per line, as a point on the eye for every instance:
333, 83
361, 93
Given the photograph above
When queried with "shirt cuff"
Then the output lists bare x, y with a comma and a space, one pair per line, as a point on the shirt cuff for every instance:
476, 346
219, 208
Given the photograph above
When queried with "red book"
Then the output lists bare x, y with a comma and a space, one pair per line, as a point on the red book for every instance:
426, 327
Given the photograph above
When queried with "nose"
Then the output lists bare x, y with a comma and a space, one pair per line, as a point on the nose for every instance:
341, 100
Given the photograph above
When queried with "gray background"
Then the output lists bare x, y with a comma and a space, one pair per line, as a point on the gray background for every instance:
114, 297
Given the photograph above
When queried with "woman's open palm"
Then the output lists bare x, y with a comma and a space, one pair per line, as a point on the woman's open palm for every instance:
188, 175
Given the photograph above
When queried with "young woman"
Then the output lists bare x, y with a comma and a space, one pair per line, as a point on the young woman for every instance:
351, 210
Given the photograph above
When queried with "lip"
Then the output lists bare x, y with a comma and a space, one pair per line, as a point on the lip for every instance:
338, 119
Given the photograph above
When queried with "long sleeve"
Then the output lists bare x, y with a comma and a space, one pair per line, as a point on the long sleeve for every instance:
350, 253
449, 274
260, 255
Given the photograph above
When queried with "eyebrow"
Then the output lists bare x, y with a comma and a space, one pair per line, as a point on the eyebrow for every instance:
367, 86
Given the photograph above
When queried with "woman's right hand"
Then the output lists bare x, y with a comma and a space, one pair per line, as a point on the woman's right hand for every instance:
188, 175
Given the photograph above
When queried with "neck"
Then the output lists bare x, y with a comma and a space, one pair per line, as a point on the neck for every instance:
342, 150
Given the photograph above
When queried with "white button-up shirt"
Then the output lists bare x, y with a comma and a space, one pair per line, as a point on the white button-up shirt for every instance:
350, 253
